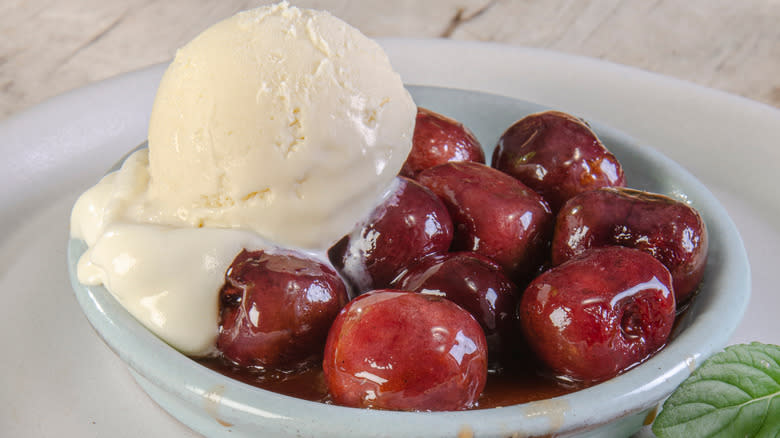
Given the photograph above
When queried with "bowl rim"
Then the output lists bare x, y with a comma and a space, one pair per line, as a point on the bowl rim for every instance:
717, 315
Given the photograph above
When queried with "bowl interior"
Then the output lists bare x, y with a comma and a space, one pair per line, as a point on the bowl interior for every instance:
215, 405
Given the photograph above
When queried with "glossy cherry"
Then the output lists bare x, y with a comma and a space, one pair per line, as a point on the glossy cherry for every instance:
409, 225
599, 314
276, 309
407, 351
557, 155
494, 215
670, 230
438, 139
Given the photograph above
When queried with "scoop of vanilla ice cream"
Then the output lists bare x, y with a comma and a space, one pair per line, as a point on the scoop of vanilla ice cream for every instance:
285, 121
278, 127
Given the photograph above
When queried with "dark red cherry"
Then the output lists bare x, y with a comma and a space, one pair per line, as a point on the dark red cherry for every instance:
409, 225
494, 215
557, 155
400, 350
438, 139
599, 314
670, 230
276, 309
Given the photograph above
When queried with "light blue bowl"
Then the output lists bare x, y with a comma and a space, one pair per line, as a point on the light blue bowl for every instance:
218, 406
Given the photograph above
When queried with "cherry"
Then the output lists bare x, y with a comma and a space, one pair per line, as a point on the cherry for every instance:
276, 309
557, 155
599, 314
409, 225
438, 139
494, 215
670, 230
400, 350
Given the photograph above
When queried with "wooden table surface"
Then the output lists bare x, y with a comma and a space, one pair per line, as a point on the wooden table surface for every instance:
50, 46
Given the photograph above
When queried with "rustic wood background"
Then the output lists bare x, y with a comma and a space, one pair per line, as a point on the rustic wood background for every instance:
51, 46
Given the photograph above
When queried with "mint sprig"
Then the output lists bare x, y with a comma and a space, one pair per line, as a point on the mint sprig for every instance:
735, 393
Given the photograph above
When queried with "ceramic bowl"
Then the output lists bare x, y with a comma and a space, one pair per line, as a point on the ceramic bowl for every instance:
218, 406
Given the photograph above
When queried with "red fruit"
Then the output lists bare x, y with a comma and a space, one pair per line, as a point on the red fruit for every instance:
438, 139
276, 309
599, 314
409, 225
405, 351
494, 215
673, 232
557, 155
475, 283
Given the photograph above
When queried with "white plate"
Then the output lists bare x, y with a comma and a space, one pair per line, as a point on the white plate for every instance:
59, 379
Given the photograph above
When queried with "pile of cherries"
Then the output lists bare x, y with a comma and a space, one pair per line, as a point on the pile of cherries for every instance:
467, 270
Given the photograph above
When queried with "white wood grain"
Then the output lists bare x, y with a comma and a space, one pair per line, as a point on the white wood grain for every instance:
48, 46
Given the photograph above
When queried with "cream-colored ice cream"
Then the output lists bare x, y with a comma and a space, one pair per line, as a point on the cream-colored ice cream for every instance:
167, 277
278, 127
282, 120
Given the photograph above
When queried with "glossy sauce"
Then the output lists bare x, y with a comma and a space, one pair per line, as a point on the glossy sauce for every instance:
518, 383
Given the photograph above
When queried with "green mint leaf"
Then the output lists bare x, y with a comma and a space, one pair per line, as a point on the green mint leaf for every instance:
735, 393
